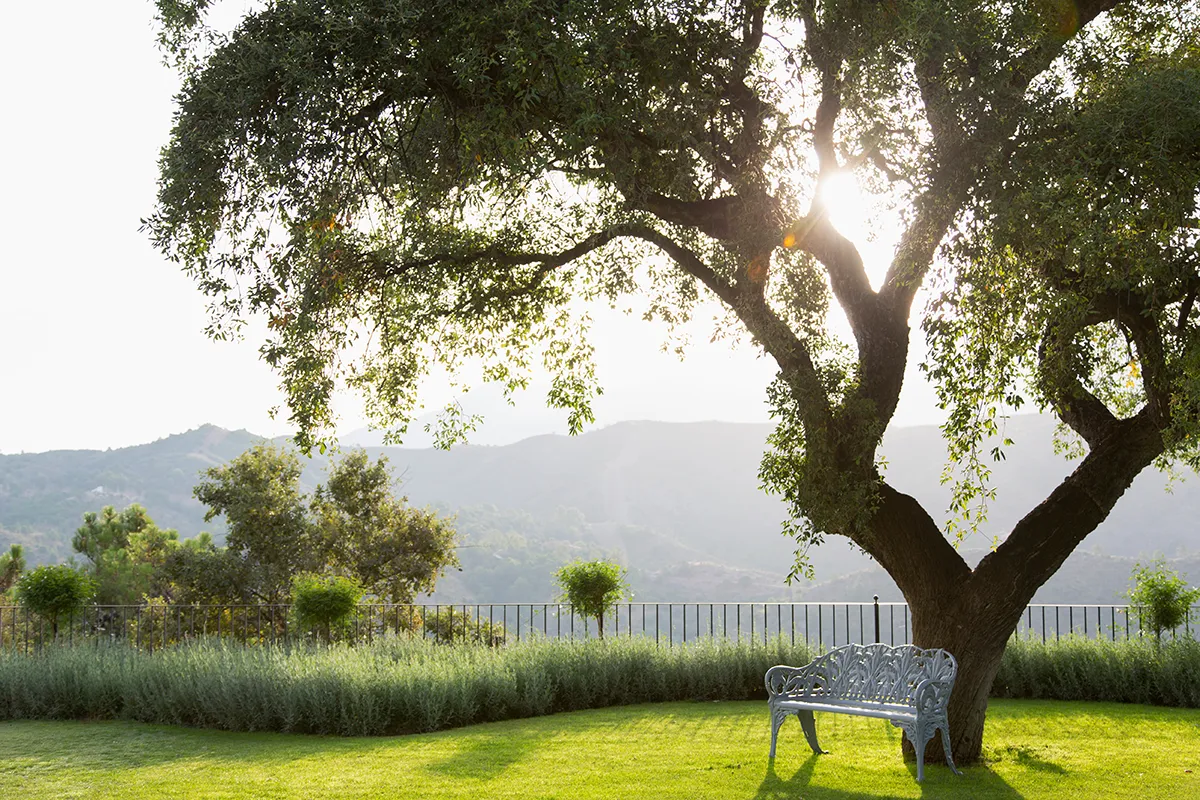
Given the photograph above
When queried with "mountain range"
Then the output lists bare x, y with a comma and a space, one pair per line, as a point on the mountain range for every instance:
679, 503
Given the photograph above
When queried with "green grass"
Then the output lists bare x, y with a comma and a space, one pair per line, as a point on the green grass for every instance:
691, 750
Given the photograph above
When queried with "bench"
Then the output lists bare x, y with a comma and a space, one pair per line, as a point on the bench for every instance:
906, 685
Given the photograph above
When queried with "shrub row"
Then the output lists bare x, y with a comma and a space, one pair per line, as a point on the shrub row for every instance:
394, 686
402, 685
1127, 671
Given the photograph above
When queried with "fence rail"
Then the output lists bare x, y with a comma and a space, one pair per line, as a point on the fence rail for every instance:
821, 625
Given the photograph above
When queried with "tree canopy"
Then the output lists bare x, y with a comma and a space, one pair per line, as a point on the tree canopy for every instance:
352, 526
592, 588
127, 552
393, 184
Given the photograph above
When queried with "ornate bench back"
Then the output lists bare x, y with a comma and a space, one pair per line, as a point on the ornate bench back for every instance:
872, 673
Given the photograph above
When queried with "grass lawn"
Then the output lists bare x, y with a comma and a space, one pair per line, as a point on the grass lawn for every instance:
673, 750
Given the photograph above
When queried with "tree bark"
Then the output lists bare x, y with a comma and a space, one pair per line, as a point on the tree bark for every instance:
975, 632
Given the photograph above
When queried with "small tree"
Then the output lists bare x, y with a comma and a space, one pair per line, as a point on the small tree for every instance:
592, 587
51, 592
324, 601
1162, 597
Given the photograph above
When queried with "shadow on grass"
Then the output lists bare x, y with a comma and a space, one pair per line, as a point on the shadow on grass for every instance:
483, 758
1030, 757
977, 782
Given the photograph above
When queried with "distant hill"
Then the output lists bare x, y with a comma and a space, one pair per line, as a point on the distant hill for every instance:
678, 502
44, 495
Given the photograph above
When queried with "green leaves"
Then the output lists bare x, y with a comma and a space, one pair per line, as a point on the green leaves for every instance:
324, 601
394, 181
1073, 279
1163, 599
269, 535
393, 551
127, 552
592, 587
53, 591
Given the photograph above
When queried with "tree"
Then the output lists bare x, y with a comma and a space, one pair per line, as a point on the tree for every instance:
390, 185
1162, 598
12, 564
392, 550
127, 552
200, 572
270, 538
52, 591
592, 588
351, 526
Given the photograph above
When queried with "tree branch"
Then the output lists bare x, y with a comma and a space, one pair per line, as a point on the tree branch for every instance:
1047, 535
910, 546
768, 329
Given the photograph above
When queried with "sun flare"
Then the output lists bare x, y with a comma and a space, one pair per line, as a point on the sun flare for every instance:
854, 215
846, 205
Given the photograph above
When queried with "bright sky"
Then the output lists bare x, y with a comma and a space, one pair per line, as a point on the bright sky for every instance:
102, 340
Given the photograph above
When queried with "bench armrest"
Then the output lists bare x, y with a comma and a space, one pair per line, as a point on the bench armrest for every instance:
931, 697
784, 681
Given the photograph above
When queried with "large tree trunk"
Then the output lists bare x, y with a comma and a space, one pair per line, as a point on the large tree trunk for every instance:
976, 636
952, 610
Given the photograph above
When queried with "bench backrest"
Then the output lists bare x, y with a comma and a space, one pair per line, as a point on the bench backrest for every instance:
876, 672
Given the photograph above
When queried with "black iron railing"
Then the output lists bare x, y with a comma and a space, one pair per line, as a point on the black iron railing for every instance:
820, 625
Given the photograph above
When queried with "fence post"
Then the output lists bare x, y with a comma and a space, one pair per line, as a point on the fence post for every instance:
876, 619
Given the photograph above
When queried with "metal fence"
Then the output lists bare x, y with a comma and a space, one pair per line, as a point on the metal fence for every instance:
820, 625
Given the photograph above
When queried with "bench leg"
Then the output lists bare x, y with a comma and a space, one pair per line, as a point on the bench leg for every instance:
809, 724
946, 747
919, 746
918, 736
778, 715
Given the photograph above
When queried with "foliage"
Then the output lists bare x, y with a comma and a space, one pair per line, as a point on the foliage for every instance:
54, 591
450, 626
592, 588
324, 601
409, 684
1071, 281
12, 564
270, 538
398, 685
458, 211
151, 627
352, 526
393, 550
127, 552
1163, 599
1123, 671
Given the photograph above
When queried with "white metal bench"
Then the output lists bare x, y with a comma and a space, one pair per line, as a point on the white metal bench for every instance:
906, 685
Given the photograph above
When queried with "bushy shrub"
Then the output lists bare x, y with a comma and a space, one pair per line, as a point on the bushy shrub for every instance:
324, 601
404, 684
397, 685
1125, 671
52, 591
592, 588
1163, 599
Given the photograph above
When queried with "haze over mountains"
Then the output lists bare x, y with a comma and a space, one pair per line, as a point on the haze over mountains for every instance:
678, 502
